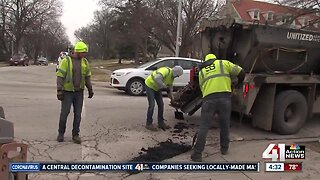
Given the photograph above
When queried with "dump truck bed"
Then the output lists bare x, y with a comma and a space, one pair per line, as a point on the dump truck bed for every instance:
262, 48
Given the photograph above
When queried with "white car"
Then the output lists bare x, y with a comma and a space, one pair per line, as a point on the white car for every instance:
131, 80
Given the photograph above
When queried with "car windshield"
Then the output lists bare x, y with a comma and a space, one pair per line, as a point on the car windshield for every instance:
17, 56
147, 64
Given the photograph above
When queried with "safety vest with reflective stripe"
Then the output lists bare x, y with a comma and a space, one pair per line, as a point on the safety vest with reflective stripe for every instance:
66, 71
216, 77
165, 72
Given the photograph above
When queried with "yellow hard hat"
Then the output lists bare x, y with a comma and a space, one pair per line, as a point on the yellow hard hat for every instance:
209, 57
80, 47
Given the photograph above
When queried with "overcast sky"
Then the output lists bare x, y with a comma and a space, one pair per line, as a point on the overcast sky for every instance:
79, 13
76, 14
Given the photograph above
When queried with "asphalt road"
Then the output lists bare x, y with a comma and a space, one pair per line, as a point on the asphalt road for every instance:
112, 127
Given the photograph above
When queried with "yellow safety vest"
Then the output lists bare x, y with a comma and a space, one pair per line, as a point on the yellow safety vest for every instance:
216, 77
167, 75
65, 71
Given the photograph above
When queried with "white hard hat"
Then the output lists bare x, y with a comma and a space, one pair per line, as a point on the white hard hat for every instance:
177, 71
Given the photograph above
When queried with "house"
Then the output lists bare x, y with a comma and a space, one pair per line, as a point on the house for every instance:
253, 11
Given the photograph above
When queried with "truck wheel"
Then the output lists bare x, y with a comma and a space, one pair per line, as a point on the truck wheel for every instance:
290, 112
135, 87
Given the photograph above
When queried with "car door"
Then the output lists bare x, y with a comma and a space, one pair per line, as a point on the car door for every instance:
185, 78
164, 63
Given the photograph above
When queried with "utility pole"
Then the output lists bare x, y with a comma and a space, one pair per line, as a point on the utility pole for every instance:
178, 38
12, 46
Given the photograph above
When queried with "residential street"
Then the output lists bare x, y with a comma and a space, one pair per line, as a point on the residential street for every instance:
112, 130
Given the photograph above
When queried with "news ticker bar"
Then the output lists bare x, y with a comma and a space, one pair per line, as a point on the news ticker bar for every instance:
284, 167
94, 167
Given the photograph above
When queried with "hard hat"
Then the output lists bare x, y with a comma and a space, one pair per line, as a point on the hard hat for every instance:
210, 56
177, 71
80, 47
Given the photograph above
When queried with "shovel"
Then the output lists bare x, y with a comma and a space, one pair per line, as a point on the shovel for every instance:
178, 115
194, 139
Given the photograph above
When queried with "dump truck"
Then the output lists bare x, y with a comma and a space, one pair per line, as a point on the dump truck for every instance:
281, 89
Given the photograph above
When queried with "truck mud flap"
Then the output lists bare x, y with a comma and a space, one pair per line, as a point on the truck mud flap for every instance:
262, 110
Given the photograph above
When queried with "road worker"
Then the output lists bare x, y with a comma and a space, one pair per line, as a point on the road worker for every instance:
72, 76
215, 84
159, 80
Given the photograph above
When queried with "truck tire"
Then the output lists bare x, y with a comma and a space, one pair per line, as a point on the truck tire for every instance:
135, 87
290, 112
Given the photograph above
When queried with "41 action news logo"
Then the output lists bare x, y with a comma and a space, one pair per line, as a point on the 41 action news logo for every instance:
281, 152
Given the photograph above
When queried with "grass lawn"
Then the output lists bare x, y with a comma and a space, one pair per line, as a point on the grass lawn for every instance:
2, 64
102, 69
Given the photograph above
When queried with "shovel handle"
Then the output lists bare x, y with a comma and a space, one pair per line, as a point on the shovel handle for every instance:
194, 138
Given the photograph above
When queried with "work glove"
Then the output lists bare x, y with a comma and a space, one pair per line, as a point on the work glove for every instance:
60, 95
90, 94
170, 95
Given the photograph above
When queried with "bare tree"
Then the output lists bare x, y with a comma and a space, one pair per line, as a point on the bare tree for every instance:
142, 26
163, 17
47, 38
5, 36
308, 4
299, 8
32, 27
23, 13
102, 29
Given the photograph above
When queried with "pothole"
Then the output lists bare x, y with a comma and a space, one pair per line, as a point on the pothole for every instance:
162, 151
167, 149
179, 127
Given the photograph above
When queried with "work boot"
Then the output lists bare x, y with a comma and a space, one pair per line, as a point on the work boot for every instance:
224, 151
60, 138
76, 139
196, 157
163, 126
151, 127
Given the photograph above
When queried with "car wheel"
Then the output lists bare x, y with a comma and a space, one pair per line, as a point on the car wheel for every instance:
290, 112
135, 87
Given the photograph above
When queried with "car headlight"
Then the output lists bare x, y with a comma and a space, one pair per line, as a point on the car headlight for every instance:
121, 73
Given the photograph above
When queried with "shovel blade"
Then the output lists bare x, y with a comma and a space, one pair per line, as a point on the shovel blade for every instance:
178, 115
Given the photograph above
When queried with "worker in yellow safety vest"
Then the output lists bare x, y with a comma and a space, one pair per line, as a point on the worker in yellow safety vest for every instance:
72, 76
159, 80
215, 84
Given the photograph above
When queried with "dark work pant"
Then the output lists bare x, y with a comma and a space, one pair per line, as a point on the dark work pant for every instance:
154, 95
75, 99
211, 106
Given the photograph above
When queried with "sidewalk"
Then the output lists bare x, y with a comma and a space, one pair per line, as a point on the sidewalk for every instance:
243, 151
